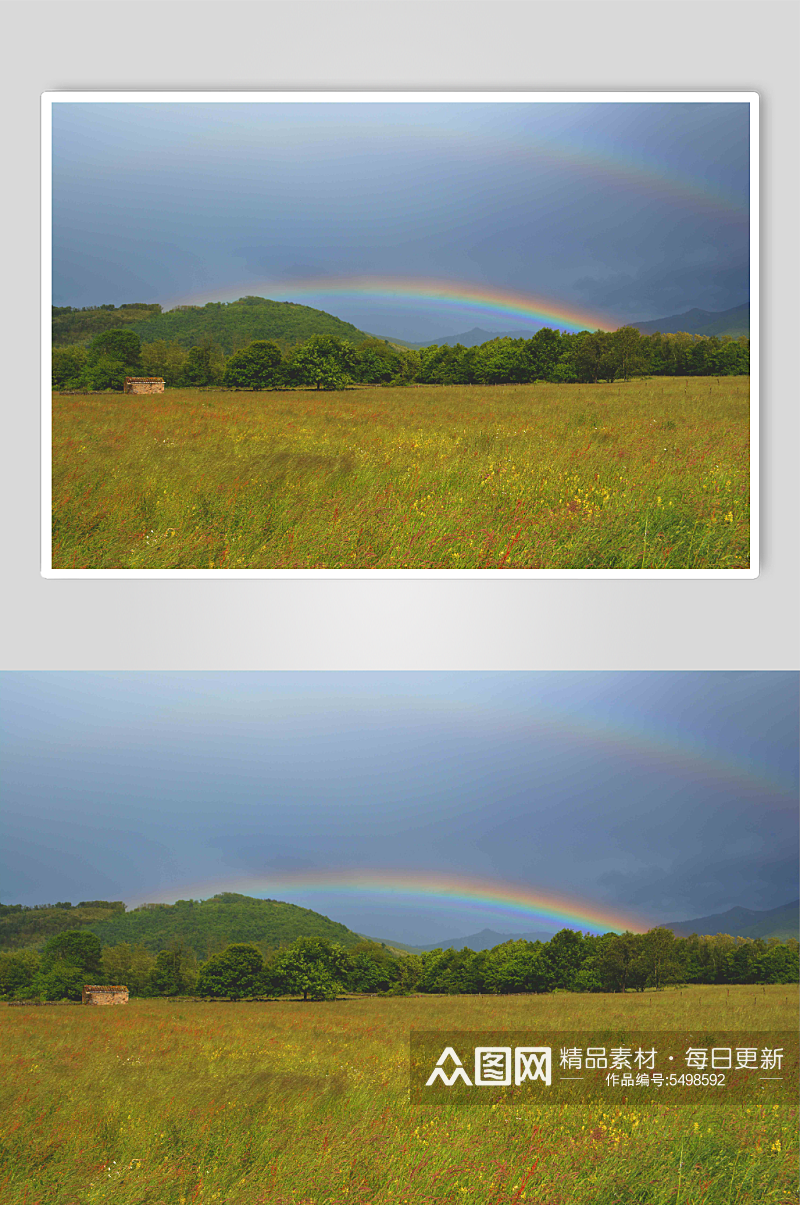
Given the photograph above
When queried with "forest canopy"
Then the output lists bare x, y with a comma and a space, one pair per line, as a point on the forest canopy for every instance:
327, 361
319, 969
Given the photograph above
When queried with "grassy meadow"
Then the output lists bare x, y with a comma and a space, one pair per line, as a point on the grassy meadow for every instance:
645, 474
307, 1104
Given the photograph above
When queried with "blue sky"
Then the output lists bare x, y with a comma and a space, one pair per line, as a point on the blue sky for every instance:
631, 211
668, 795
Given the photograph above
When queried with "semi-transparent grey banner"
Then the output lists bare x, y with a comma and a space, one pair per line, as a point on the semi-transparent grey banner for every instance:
689, 1066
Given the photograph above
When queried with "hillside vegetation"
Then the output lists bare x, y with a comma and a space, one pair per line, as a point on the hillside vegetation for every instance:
21, 927
231, 325
204, 926
74, 326
209, 925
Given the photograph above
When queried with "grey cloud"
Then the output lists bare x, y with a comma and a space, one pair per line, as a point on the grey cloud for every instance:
698, 886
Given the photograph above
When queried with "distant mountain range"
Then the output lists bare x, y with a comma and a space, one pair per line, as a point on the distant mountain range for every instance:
780, 922
473, 338
487, 939
733, 322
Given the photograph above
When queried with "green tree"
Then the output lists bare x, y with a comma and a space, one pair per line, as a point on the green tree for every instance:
544, 352
733, 358
370, 968
608, 368
257, 366
310, 965
124, 347
432, 368
104, 373
17, 971
564, 954
174, 973
61, 981
589, 977
626, 343
717, 949
235, 972
409, 972
76, 947
164, 359
129, 964
618, 962
517, 966
68, 364
659, 955
505, 362
779, 962
376, 362
588, 356
324, 362
203, 365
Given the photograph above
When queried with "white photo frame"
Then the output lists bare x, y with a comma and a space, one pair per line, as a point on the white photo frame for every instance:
51, 99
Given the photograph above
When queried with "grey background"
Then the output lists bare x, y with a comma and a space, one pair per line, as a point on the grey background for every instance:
458, 624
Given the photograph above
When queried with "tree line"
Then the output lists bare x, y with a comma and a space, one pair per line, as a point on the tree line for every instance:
318, 969
328, 362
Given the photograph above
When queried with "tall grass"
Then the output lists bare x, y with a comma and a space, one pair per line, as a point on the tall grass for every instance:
644, 474
308, 1104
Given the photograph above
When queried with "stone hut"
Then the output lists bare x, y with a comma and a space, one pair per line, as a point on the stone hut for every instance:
144, 385
106, 993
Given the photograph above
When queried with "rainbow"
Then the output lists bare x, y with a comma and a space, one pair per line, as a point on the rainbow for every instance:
632, 174
680, 752
476, 894
591, 165
471, 300
598, 165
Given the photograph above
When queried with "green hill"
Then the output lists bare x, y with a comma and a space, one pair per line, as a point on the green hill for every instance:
205, 925
22, 927
231, 324
71, 326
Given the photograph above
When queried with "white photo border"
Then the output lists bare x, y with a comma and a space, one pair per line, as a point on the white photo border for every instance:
49, 99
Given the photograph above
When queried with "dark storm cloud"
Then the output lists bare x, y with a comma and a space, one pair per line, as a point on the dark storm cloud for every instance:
582, 205
711, 279
713, 884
